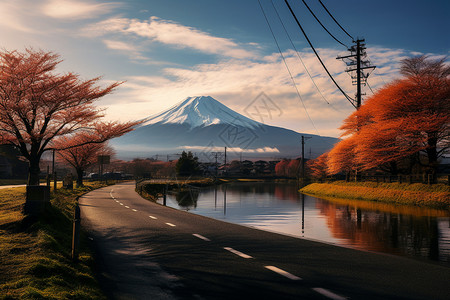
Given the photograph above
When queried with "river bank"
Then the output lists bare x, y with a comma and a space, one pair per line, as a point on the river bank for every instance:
435, 196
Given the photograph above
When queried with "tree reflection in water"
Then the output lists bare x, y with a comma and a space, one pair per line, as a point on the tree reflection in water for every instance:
396, 229
384, 231
187, 198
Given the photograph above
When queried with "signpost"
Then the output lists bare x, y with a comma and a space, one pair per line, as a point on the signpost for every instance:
102, 160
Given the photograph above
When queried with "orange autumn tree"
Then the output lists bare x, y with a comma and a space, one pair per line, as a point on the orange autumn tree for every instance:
319, 166
38, 105
342, 157
405, 118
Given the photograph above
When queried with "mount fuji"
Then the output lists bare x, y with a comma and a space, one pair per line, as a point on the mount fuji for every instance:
204, 125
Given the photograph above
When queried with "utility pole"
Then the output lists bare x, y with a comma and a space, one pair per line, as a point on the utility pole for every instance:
304, 138
225, 160
356, 64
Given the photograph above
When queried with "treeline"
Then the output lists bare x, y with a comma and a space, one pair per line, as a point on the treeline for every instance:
402, 129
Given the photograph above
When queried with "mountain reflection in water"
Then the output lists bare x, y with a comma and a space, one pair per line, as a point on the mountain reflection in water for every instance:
402, 230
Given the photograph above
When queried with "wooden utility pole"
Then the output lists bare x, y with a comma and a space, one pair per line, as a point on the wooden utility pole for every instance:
304, 138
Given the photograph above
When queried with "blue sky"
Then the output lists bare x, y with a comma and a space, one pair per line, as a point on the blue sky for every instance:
169, 50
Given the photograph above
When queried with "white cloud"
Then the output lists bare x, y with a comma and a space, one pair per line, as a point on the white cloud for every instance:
74, 9
232, 149
169, 33
237, 82
119, 45
14, 14
126, 48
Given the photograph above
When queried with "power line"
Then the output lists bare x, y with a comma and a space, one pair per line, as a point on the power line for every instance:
299, 57
370, 87
287, 67
317, 19
335, 20
317, 55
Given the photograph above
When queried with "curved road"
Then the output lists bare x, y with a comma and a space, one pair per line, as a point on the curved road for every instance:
148, 251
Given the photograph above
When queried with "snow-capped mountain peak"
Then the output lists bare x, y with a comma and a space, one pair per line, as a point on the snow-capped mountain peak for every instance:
201, 111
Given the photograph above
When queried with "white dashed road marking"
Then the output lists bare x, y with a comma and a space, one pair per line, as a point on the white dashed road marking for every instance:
121, 203
283, 272
127, 206
152, 217
243, 255
170, 224
201, 237
328, 294
134, 209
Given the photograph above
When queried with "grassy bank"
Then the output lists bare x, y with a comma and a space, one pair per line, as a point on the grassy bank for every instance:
436, 196
35, 255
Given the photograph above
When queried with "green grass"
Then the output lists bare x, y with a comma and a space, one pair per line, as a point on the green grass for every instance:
35, 255
436, 196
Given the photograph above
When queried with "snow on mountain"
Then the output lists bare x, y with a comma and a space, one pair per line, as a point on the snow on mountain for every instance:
203, 125
201, 111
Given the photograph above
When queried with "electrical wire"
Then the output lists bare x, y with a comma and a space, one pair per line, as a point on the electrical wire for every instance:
287, 67
299, 57
317, 19
335, 20
352, 101
370, 87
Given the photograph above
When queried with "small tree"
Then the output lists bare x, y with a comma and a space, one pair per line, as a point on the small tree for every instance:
281, 167
293, 168
187, 164
80, 157
38, 105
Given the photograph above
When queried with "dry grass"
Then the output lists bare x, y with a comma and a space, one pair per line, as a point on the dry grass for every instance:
436, 196
35, 260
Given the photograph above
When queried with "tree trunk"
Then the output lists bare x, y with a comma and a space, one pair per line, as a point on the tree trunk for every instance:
393, 168
33, 171
79, 177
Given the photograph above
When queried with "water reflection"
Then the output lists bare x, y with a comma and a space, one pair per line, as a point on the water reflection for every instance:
278, 207
187, 199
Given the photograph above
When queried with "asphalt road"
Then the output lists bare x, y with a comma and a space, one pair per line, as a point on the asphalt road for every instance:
148, 251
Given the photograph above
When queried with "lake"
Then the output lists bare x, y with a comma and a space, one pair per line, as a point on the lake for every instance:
421, 233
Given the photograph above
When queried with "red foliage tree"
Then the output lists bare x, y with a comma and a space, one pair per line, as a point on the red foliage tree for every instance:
281, 168
38, 105
293, 168
80, 157
408, 116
